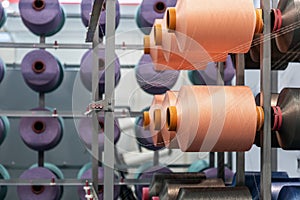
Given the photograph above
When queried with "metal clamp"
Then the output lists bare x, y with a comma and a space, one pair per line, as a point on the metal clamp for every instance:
102, 105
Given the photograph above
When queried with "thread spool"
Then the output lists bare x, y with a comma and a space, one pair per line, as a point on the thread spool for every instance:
252, 181
168, 137
4, 128
207, 105
54, 169
279, 61
36, 192
41, 71
41, 133
152, 81
175, 61
143, 135
287, 37
42, 17
274, 141
86, 68
182, 19
213, 173
148, 174
198, 166
86, 9
195, 54
3, 175
2, 16
209, 75
85, 130
238, 193
158, 179
85, 173
148, 11
289, 192
172, 187
154, 111
287, 136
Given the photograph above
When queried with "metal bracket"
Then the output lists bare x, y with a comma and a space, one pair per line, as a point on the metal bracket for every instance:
102, 105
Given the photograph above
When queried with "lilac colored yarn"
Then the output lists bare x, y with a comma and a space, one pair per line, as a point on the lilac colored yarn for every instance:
148, 11
2, 70
41, 133
86, 68
149, 174
41, 71
213, 173
209, 75
88, 175
86, 9
143, 136
151, 81
85, 129
46, 21
47, 193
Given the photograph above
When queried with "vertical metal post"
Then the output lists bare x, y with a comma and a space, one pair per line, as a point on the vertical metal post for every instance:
265, 69
109, 98
274, 89
95, 97
42, 100
240, 156
220, 155
212, 159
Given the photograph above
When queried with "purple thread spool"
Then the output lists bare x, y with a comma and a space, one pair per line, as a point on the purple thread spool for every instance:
86, 9
144, 137
209, 75
86, 68
148, 11
88, 175
86, 132
42, 17
151, 81
213, 173
37, 192
41, 133
41, 71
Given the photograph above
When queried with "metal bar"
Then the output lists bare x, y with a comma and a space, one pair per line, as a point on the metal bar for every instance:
220, 155
93, 26
69, 182
95, 97
67, 67
212, 159
265, 70
65, 46
229, 160
274, 89
240, 156
63, 114
109, 97
41, 158
42, 100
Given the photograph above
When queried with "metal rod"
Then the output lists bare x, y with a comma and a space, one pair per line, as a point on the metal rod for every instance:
63, 114
94, 20
95, 97
65, 46
229, 160
109, 98
212, 159
41, 158
240, 156
220, 155
42, 100
265, 100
